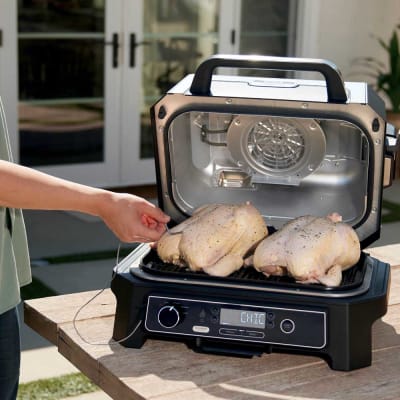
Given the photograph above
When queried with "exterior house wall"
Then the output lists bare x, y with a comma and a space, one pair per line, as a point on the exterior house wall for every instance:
337, 30
342, 30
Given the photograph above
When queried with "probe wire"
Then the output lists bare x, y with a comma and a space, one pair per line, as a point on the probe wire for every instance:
111, 341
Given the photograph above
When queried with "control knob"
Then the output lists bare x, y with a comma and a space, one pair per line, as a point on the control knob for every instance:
168, 316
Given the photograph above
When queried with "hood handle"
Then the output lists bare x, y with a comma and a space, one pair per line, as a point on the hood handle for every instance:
334, 83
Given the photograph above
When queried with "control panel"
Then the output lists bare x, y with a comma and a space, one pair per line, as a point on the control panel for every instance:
232, 321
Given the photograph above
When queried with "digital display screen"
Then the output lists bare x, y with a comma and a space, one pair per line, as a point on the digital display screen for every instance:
245, 318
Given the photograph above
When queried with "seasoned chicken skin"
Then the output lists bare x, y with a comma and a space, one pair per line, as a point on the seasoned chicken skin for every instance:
310, 249
215, 239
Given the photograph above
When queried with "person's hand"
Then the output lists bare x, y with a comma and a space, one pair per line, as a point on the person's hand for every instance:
132, 218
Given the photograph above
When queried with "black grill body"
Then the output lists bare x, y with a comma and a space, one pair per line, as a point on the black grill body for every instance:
349, 316
291, 147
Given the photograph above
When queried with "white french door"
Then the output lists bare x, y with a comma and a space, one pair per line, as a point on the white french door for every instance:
62, 92
166, 41
78, 78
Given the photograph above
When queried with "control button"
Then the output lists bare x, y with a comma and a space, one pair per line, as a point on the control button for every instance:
270, 316
214, 319
200, 329
254, 334
287, 326
270, 324
226, 331
202, 316
168, 316
214, 310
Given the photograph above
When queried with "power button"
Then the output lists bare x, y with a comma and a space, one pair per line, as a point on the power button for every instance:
287, 326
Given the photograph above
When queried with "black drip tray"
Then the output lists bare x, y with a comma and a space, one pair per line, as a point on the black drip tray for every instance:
351, 278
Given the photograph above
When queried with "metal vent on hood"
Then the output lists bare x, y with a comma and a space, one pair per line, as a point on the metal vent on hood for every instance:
276, 144
280, 150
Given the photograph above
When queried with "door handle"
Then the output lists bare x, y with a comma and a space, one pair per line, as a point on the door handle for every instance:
132, 48
115, 46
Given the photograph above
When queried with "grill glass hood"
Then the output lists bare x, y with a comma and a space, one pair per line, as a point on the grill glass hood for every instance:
281, 164
292, 147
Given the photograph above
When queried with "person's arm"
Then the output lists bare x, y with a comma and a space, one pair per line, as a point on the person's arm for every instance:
130, 217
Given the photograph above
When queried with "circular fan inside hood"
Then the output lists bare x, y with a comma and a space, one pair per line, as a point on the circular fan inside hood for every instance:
277, 146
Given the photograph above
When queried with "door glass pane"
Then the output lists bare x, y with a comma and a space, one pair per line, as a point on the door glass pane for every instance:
61, 81
267, 28
178, 34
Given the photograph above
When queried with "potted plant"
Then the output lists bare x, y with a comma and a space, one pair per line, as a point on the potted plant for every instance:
387, 78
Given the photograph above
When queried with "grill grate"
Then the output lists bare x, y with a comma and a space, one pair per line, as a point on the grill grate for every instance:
351, 279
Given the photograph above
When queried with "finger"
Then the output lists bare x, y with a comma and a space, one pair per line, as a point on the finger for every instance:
156, 213
150, 234
153, 224
161, 228
144, 220
149, 222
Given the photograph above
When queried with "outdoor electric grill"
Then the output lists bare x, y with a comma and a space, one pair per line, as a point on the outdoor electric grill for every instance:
291, 147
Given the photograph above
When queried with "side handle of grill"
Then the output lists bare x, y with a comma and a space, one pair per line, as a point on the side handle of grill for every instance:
334, 83
392, 154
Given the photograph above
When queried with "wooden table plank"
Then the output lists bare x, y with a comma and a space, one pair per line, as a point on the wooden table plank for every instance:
386, 331
46, 314
163, 370
180, 369
173, 364
311, 382
389, 253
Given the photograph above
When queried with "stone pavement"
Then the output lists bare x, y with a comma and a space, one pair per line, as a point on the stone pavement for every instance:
62, 233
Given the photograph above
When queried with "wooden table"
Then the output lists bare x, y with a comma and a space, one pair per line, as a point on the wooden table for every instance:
164, 371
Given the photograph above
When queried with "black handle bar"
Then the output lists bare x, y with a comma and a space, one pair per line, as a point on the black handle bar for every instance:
334, 83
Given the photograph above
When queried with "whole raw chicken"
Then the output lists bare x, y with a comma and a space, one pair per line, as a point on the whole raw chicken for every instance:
310, 249
215, 239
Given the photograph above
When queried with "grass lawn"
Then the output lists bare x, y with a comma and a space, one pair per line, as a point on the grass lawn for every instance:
392, 211
56, 388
